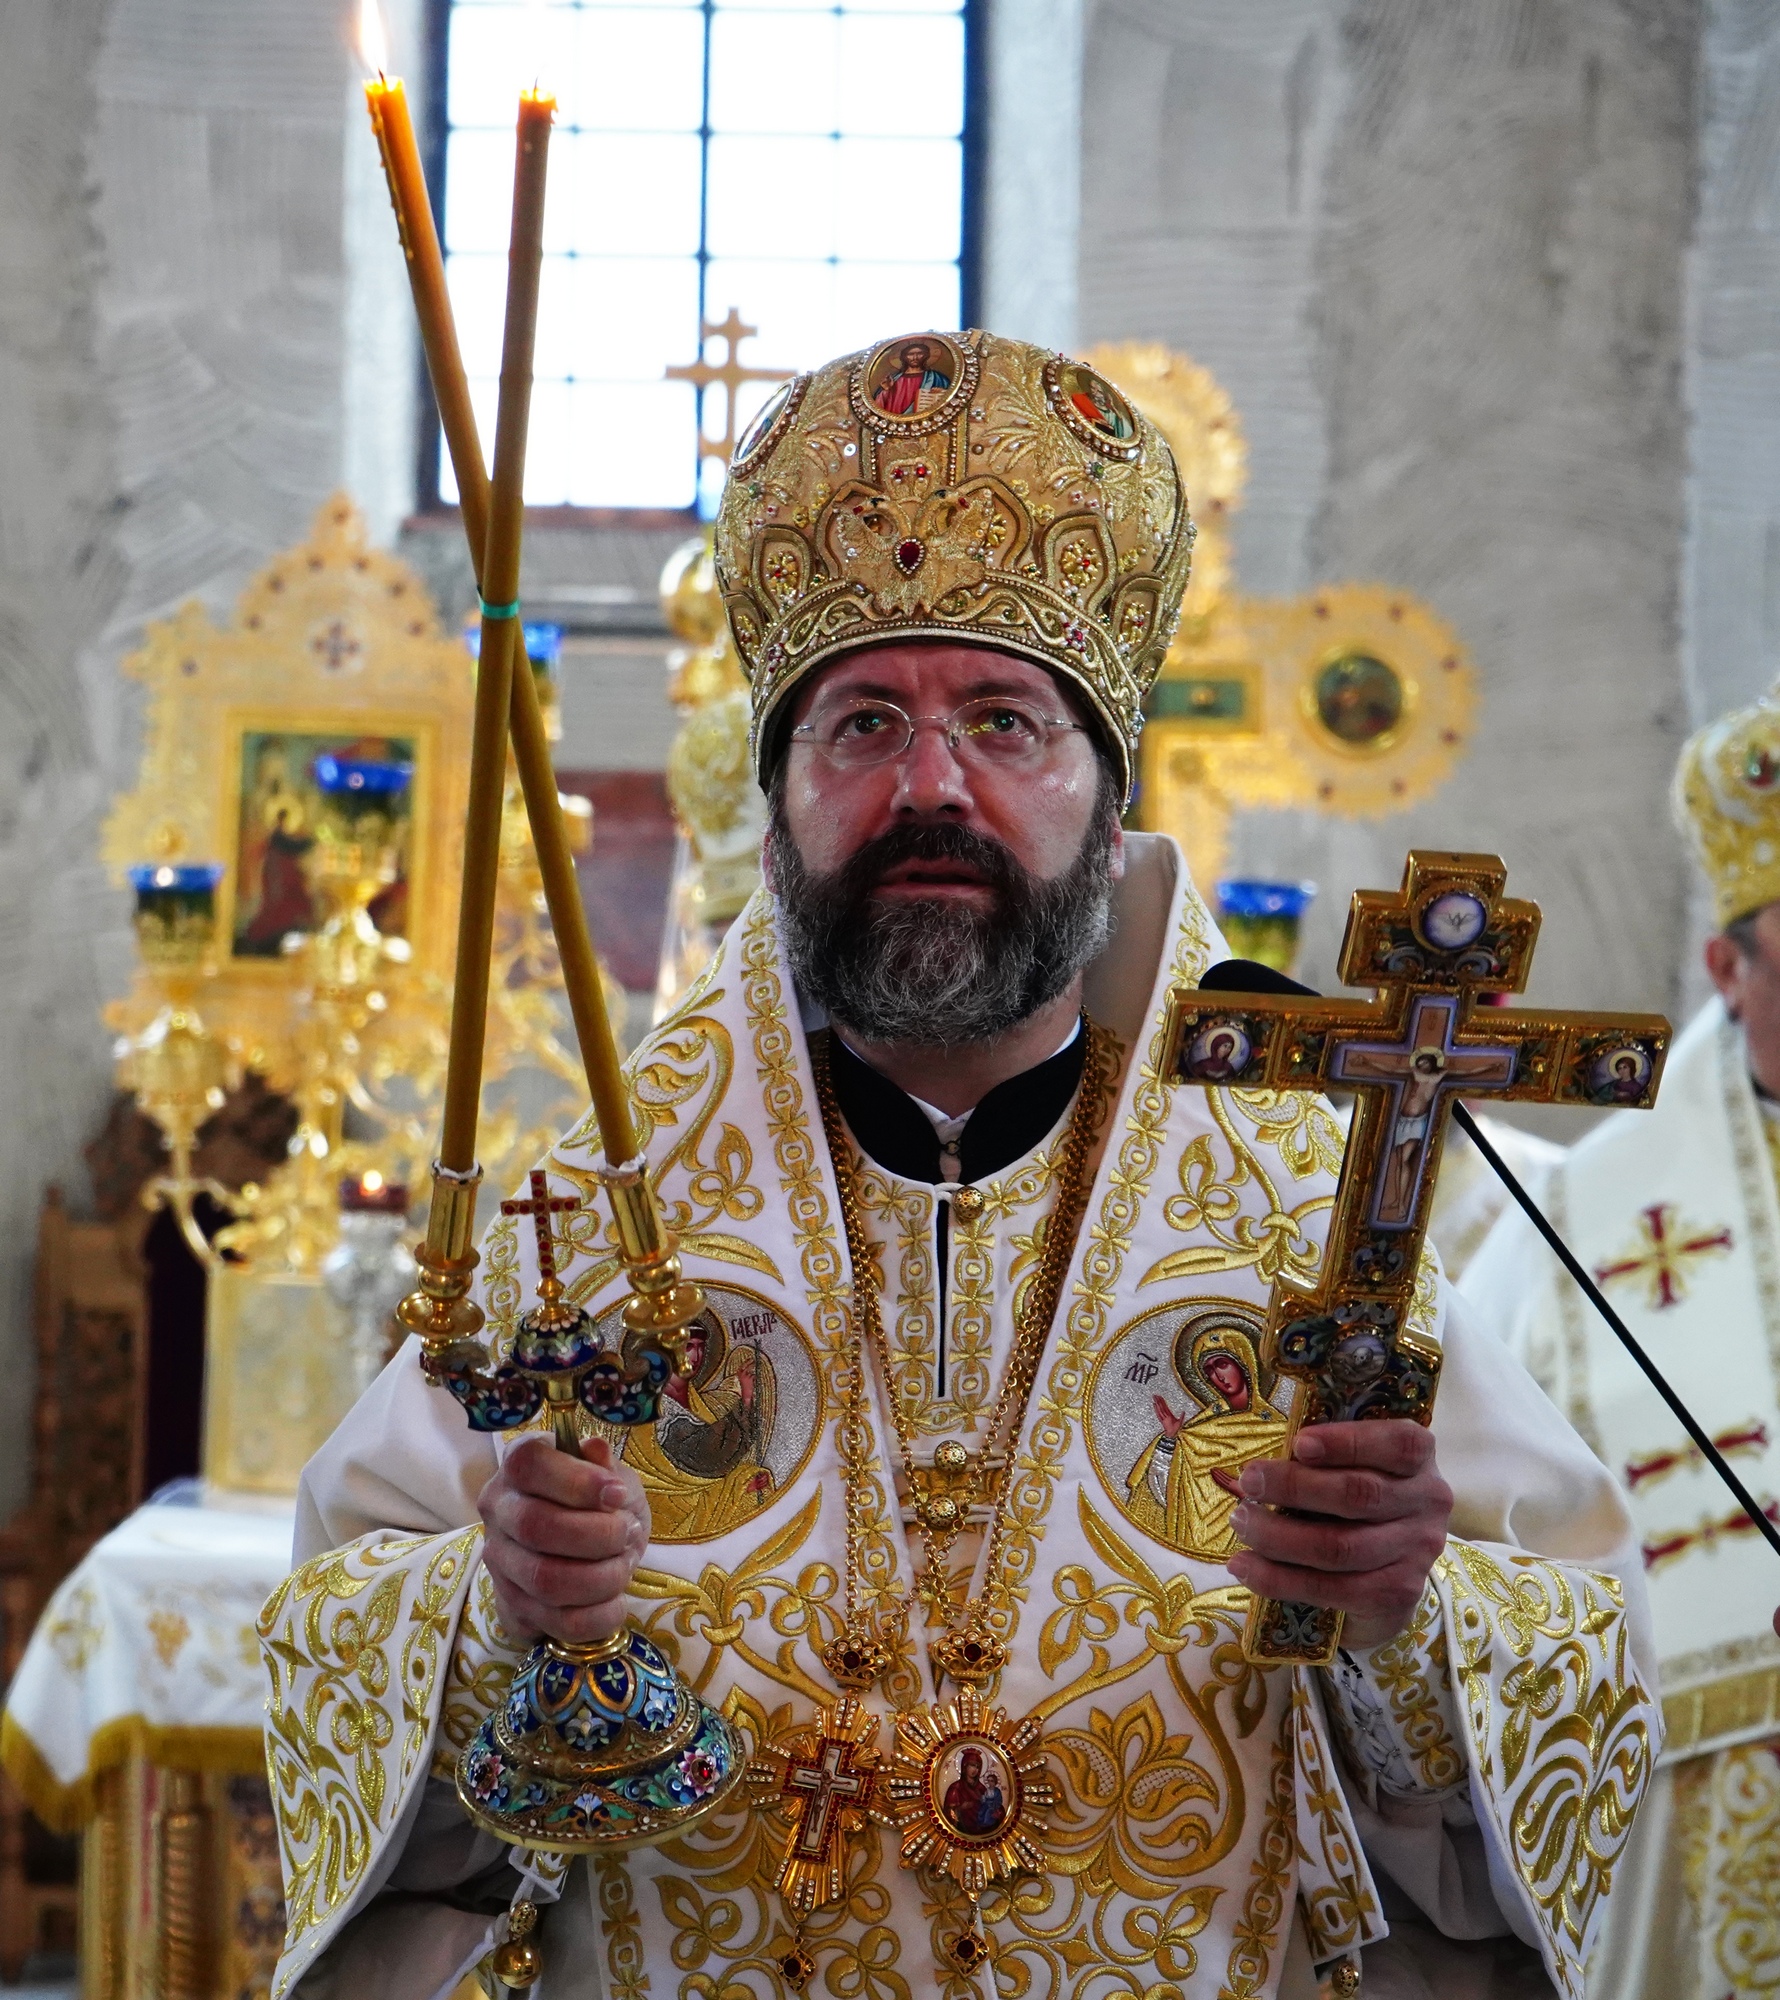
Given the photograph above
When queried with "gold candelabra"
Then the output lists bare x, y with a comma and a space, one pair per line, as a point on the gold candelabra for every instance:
178, 1069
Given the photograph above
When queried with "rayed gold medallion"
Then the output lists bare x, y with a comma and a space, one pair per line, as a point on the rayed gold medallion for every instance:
823, 1778
967, 1787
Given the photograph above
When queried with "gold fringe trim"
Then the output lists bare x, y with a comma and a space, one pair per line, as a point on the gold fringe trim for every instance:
66, 1808
1744, 1705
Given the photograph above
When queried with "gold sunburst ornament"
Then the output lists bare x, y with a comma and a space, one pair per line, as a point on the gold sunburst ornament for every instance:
968, 1787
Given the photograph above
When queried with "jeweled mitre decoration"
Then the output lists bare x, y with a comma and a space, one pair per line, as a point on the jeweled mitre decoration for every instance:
955, 486
1727, 801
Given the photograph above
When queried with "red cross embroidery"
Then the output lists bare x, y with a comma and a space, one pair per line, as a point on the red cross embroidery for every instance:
1662, 1255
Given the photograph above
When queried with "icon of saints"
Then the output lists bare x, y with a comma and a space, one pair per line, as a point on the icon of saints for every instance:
1183, 1488
703, 1465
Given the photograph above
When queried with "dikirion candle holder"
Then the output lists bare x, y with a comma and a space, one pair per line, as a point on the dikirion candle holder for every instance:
1261, 919
592, 1752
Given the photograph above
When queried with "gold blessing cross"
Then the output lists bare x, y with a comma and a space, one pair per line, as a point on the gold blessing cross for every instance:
1430, 952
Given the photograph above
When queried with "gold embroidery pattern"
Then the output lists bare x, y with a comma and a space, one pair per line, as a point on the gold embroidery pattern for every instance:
684, 1069
1413, 1674
627, 1977
76, 1632
1276, 1244
1264, 1907
908, 1211
1100, 1259
798, 1158
502, 1281
1144, 1808
1334, 1891
722, 1604
331, 1739
1560, 1732
1298, 1125
481, 1669
970, 1316
1756, 1177
1735, 1872
731, 1913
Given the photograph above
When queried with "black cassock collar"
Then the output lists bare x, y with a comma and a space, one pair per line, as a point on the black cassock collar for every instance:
893, 1130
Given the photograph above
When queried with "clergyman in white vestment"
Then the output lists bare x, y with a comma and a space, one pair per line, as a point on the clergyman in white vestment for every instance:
1674, 1212
910, 1130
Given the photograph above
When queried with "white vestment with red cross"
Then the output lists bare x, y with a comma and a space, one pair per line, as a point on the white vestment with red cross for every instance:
1674, 1212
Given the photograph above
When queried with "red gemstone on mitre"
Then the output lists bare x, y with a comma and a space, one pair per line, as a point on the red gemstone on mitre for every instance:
908, 555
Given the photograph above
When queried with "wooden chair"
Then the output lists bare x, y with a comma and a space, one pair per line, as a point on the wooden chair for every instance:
87, 1469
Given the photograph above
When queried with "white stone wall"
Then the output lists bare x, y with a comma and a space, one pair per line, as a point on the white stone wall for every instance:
174, 405
1436, 253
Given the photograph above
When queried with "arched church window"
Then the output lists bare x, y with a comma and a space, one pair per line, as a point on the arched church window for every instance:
802, 163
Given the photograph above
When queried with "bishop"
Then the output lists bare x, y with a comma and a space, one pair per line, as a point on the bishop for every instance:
924, 1149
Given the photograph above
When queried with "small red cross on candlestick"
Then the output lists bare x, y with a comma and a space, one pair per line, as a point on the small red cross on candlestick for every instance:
1663, 1255
541, 1207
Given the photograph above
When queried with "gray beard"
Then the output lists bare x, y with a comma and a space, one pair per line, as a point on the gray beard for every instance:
929, 974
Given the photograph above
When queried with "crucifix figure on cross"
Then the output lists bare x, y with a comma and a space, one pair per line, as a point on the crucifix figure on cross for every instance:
822, 1780
1437, 953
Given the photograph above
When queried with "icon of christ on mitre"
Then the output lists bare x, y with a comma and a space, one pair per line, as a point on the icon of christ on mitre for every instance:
980, 1633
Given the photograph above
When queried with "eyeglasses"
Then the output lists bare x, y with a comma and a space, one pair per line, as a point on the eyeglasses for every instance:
994, 732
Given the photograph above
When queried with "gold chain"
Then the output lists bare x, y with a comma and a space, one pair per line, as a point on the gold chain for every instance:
967, 1650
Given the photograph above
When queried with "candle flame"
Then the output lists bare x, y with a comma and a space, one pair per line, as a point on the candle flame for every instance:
373, 39
372, 1182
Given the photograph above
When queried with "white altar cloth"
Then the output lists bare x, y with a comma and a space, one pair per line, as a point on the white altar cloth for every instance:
148, 1649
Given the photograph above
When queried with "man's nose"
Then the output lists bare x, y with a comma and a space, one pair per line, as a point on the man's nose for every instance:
930, 777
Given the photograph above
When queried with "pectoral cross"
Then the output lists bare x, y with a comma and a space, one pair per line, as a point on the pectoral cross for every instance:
1429, 951
541, 1207
823, 1778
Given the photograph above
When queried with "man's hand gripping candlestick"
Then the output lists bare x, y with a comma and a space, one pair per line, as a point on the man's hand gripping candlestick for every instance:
601, 1744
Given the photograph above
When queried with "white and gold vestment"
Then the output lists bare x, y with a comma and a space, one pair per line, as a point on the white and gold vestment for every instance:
1675, 1213
1220, 1827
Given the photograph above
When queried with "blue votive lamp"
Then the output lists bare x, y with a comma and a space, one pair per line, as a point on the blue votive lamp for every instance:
175, 908
1261, 919
356, 787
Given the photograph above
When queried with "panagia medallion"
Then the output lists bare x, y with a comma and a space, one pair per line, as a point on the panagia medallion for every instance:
967, 1787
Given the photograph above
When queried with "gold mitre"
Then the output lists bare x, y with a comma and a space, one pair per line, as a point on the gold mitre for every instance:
1727, 801
955, 486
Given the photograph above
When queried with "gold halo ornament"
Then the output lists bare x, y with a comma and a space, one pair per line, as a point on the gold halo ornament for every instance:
1375, 695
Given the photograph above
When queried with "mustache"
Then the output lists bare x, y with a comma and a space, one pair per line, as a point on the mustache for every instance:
864, 870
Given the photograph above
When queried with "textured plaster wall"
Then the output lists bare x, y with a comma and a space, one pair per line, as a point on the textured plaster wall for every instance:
1733, 570
175, 182
1436, 252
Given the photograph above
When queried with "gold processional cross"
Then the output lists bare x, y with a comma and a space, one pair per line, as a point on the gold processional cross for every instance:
732, 372
1432, 952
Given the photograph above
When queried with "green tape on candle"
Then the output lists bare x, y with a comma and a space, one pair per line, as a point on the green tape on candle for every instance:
498, 610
